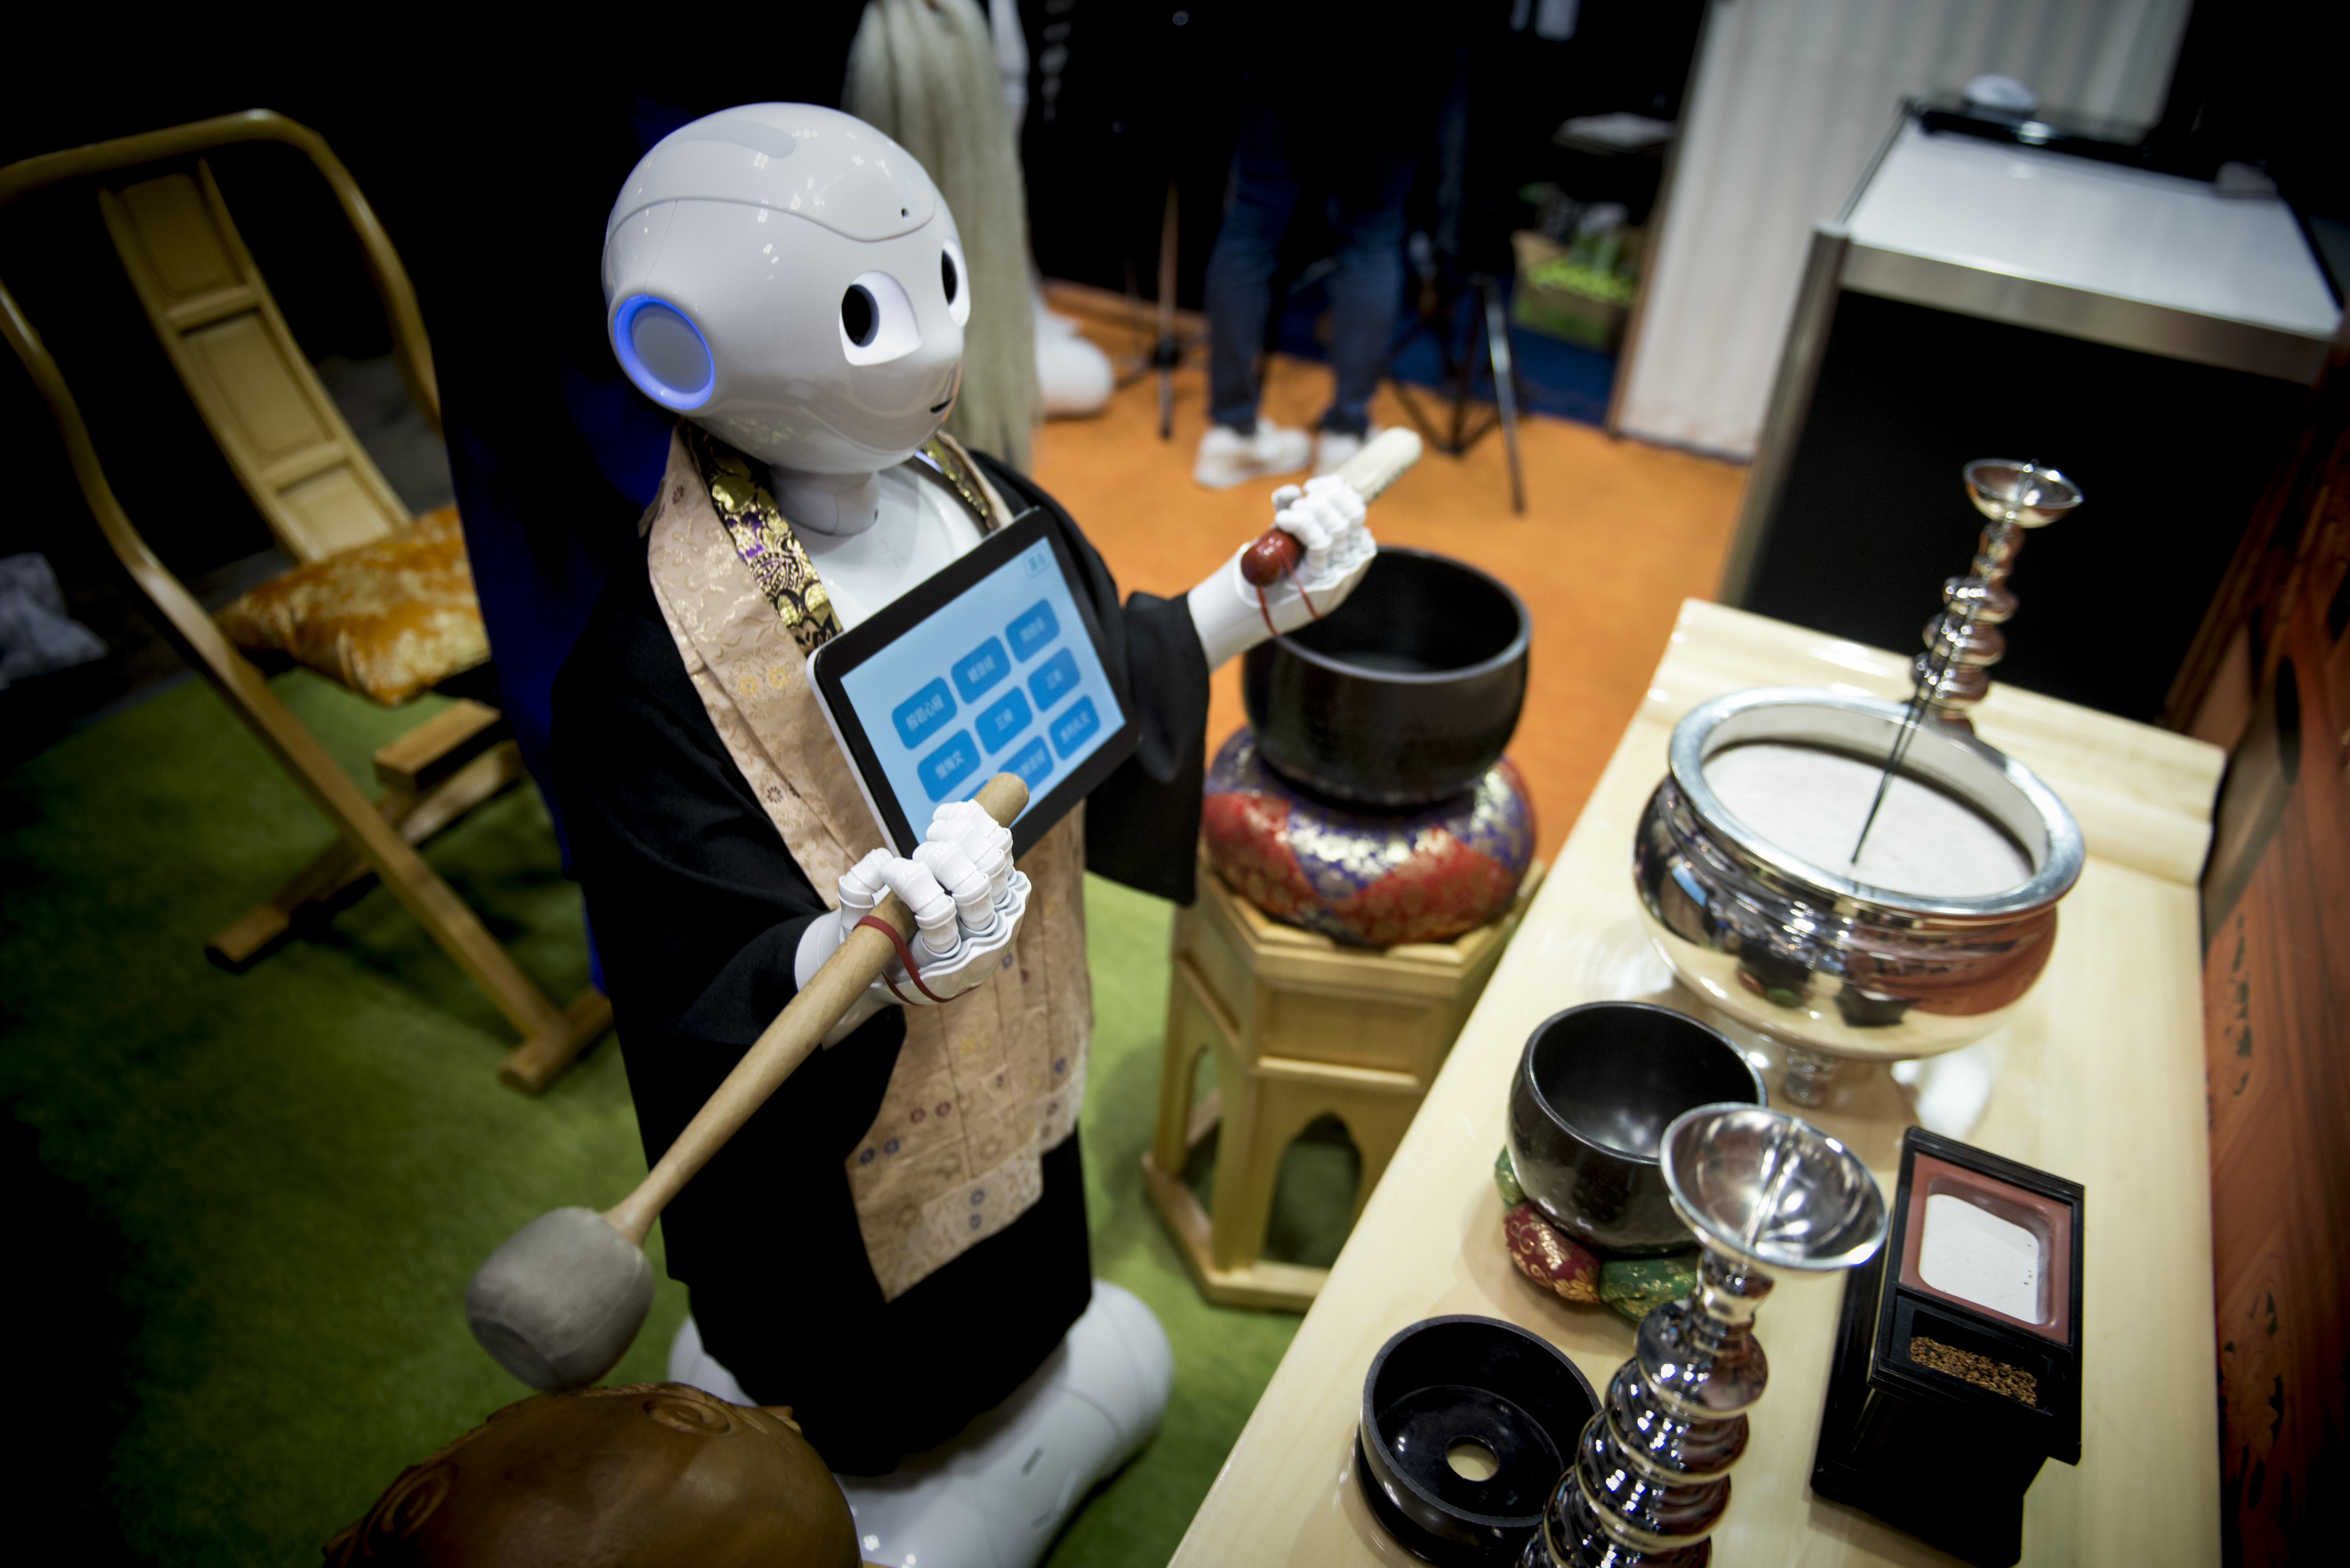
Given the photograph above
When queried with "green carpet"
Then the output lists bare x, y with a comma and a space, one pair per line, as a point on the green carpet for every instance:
259, 1198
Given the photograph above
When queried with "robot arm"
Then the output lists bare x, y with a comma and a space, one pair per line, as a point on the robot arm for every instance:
967, 902
1327, 519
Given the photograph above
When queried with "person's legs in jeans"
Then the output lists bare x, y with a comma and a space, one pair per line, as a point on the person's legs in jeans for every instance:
1368, 285
1240, 268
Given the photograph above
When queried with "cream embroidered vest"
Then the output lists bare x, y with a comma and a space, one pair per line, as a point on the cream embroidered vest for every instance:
986, 1084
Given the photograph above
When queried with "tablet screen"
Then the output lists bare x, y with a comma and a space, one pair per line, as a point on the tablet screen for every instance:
990, 666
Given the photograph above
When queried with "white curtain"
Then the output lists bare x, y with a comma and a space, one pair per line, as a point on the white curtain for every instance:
1791, 99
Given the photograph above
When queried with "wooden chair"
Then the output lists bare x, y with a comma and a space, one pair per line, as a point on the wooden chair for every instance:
320, 494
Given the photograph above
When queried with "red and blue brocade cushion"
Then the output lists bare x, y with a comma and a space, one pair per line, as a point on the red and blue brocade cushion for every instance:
1369, 879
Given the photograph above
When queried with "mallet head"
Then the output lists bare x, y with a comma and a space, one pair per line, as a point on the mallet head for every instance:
560, 1303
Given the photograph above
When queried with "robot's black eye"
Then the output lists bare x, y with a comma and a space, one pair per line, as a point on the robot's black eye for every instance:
947, 274
859, 315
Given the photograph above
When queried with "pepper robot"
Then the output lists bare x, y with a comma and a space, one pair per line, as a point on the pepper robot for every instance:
895, 1245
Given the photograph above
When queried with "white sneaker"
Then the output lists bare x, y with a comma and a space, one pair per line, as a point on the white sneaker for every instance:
1228, 458
1333, 448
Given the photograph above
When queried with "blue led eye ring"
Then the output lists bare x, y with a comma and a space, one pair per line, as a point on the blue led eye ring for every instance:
663, 352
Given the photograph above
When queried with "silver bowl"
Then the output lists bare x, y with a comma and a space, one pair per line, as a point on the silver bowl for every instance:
1833, 967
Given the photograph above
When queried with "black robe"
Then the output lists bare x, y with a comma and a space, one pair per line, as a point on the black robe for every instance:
698, 910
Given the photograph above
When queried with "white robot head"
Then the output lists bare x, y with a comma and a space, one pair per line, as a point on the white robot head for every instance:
789, 277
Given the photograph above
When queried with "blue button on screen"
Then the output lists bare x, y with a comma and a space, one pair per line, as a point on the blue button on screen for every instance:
949, 765
999, 721
1031, 762
1031, 629
924, 714
979, 669
1074, 728
1055, 678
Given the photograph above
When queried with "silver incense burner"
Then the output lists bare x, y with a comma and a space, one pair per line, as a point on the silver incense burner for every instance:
1766, 1195
1832, 967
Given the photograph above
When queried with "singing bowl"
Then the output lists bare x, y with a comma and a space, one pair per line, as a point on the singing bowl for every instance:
1596, 1088
1449, 1380
1404, 695
1819, 959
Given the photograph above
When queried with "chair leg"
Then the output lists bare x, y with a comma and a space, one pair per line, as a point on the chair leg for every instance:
552, 1038
538, 1061
257, 933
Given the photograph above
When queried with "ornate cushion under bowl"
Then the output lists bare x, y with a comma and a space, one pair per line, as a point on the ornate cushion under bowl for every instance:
390, 619
1372, 878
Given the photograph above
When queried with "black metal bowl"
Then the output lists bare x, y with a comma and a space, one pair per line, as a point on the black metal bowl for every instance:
1593, 1095
1509, 1400
1402, 696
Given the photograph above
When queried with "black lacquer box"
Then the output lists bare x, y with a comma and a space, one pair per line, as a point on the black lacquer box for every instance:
1958, 1359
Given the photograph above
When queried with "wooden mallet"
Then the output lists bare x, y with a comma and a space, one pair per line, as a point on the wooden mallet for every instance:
561, 1302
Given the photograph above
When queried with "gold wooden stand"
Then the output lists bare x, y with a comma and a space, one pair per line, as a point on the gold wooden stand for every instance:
1300, 1027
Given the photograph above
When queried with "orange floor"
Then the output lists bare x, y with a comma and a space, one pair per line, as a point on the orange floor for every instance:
1615, 536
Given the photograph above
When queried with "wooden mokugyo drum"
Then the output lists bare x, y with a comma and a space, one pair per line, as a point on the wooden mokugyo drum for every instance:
651, 1473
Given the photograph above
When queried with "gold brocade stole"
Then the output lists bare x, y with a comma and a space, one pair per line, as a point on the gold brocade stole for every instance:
985, 1084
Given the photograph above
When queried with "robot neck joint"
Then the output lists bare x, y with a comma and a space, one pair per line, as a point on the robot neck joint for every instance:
835, 503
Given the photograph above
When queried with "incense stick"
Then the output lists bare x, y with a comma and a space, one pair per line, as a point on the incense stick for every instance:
1940, 656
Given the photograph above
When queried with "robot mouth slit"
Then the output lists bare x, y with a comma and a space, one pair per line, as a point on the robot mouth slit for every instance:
941, 408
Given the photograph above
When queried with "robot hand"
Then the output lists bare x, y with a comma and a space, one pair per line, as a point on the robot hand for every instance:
966, 898
1327, 519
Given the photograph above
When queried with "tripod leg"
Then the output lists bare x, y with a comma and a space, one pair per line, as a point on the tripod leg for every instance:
1505, 387
1463, 378
1168, 352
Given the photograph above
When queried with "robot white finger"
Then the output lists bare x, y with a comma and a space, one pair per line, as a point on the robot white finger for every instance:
989, 848
1340, 494
934, 910
965, 882
862, 887
1312, 523
1306, 522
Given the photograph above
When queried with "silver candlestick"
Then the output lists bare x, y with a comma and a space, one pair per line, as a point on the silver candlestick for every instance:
1765, 1194
1964, 640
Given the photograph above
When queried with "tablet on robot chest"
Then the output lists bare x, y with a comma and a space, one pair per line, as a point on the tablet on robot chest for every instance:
993, 664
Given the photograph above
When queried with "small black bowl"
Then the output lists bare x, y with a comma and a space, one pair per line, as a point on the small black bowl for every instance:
1448, 1381
1593, 1095
1402, 696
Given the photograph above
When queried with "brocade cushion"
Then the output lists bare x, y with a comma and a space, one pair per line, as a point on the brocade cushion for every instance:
389, 618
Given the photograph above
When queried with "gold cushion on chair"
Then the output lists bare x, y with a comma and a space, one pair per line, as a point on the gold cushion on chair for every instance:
388, 619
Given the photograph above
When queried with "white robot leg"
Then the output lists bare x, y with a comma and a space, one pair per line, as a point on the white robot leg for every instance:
996, 1495
696, 1367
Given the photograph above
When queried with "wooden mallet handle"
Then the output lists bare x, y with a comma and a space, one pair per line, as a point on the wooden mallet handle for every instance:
1370, 471
804, 1020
